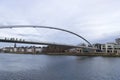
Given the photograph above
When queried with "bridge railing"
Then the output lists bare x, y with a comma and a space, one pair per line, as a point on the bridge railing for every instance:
23, 40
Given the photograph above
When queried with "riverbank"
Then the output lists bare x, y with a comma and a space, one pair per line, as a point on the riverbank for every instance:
76, 54
86, 54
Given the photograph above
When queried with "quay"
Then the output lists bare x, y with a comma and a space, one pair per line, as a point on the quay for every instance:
86, 54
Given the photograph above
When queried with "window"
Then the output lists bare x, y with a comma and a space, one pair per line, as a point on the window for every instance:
109, 46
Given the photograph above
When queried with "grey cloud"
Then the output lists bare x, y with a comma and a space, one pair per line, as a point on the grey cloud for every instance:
90, 19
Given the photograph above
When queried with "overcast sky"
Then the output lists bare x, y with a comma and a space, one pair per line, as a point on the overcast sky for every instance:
96, 20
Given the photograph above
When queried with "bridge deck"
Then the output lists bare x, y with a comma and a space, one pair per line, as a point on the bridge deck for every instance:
37, 43
43, 43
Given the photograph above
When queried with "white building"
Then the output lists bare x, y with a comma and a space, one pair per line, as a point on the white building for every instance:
30, 50
7, 49
110, 48
15, 49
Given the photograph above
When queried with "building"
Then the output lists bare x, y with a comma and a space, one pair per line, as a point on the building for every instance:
55, 49
98, 47
74, 50
7, 49
111, 48
108, 47
117, 41
31, 49
38, 50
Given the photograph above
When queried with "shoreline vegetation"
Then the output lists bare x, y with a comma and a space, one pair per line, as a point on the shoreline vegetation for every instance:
72, 54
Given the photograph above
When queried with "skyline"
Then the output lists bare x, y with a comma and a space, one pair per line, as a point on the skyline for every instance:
95, 20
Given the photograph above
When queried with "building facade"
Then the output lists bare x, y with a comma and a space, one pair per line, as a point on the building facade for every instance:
111, 48
117, 41
31, 49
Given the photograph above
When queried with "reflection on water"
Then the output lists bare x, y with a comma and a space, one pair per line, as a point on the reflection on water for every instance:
45, 67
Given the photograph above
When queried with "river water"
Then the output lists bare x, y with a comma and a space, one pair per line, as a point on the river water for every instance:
47, 67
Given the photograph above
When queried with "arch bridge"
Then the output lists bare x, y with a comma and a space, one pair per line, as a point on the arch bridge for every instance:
34, 26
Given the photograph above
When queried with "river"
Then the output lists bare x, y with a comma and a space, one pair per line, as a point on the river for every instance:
47, 67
